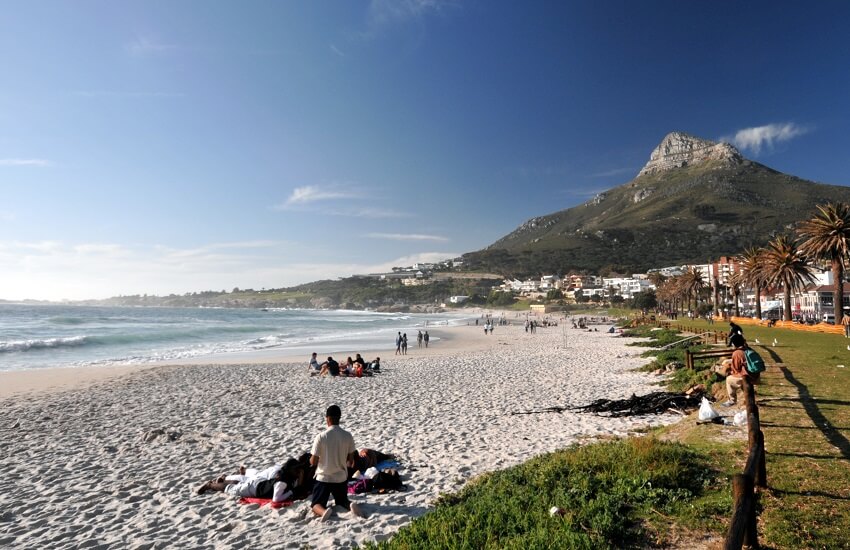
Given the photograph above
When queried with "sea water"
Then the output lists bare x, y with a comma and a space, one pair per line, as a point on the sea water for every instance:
38, 336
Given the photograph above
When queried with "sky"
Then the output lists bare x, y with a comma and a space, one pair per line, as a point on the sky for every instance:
165, 147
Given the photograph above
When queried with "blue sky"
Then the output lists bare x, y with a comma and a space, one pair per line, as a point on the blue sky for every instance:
158, 147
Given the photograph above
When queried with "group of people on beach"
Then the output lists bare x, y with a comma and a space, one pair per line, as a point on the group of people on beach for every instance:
322, 473
401, 341
356, 367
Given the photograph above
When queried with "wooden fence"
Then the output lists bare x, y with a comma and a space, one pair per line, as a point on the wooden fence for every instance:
743, 528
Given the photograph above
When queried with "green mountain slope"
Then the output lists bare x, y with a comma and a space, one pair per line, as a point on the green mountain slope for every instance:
692, 210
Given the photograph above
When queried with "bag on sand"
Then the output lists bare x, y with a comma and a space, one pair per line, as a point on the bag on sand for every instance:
706, 411
755, 364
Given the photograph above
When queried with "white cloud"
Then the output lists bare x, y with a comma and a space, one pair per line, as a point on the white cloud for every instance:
389, 11
406, 237
6, 216
25, 162
756, 138
53, 270
313, 193
145, 45
336, 50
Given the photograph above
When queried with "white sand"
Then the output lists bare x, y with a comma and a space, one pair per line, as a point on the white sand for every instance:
78, 472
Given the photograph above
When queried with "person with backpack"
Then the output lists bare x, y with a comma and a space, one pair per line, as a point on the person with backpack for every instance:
739, 370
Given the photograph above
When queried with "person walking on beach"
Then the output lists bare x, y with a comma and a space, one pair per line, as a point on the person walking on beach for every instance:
398, 344
332, 449
425, 338
419, 339
404, 344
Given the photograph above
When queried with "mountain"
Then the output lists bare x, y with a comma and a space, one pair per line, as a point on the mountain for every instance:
694, 200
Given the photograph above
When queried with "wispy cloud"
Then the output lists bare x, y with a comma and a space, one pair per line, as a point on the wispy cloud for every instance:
146, 45
6, 216
759, 137
406, 237
313, 193
389, 11
614, 172
336, 50
130, 95
56, 270
26, 162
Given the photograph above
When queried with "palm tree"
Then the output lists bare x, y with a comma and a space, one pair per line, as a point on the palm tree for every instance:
693, 284
736, 281
752, 272
785, 266
827, 237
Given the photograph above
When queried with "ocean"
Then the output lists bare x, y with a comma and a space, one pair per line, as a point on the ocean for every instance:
33, 337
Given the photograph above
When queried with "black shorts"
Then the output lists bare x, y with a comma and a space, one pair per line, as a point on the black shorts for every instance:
322, 490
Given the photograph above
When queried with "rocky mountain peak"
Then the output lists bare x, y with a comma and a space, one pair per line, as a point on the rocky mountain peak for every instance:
678, 149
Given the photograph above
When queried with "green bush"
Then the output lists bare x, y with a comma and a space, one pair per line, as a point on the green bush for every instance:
604, 489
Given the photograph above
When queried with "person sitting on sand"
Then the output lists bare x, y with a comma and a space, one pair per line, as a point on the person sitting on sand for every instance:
330, 367
331, 451
359, 359
375, 366
347, 367
315, 368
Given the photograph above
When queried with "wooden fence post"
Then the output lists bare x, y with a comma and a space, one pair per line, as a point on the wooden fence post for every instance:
761, 471
742, 498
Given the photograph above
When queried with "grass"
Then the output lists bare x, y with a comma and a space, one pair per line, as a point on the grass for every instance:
804, 403
607, 492
672, 487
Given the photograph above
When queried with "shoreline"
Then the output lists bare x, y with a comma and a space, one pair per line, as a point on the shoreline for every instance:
20, 383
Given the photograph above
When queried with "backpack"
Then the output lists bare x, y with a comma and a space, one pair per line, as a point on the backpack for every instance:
755, 364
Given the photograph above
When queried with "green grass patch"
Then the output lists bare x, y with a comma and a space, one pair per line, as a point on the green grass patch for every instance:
610, 492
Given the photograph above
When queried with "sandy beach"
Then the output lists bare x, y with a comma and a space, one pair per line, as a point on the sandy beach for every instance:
85, 467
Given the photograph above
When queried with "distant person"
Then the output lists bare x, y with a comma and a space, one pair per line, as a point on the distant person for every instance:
419, 339
332, 451
846, 322
426, 338
398, 344
315, 368
404, 344
375, 366
733, 330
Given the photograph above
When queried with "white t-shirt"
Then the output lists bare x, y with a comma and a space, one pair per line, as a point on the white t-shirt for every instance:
333, 446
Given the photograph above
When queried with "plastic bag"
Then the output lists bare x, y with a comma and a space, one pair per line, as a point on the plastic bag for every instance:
740, 418
706, 411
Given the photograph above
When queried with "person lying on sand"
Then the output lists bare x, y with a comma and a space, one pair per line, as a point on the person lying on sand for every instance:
268, 483
365, 459
292, 480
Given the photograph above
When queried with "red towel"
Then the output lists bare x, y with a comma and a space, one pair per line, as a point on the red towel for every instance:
265, 501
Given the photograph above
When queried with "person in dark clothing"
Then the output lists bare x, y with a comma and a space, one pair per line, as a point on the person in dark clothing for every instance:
733, 330
330, 367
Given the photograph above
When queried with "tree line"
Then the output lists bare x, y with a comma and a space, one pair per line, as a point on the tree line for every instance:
786, 261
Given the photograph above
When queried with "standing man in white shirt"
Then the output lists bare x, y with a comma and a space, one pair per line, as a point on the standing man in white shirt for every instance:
332, 449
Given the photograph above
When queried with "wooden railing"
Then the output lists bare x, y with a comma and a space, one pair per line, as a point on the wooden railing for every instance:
690, 356
743, 528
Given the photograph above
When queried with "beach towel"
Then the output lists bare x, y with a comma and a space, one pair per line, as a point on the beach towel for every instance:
265, 502
385, 464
